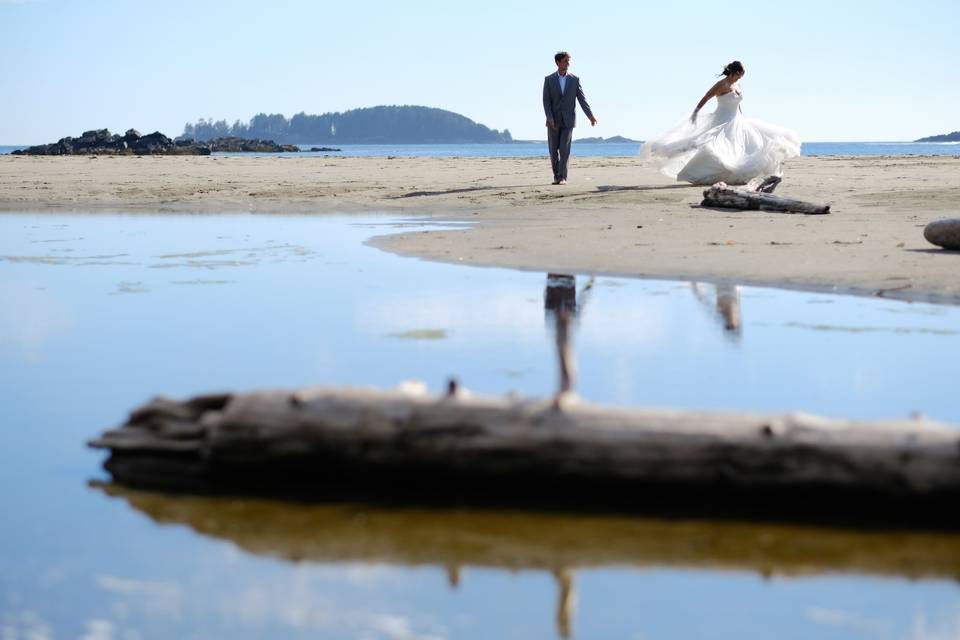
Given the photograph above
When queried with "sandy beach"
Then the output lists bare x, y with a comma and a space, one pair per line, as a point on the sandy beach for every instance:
615, 217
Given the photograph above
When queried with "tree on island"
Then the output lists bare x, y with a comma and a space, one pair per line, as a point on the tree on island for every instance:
372, 125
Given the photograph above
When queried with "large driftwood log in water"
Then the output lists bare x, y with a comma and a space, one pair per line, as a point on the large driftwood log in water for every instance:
757, 195
260, 438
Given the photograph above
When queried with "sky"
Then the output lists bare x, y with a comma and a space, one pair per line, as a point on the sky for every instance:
835, 70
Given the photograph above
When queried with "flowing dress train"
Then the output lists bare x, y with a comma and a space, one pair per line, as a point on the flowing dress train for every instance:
723, 146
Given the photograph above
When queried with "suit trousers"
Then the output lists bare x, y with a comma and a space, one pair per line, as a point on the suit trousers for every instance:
559, 140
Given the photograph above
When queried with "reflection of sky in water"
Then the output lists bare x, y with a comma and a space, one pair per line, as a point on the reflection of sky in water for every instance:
100, 312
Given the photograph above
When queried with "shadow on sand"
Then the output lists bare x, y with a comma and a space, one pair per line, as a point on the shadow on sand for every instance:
604, 188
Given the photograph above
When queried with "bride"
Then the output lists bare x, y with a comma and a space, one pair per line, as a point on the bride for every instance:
723, 146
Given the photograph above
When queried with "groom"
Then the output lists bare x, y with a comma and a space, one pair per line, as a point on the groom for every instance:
559, 91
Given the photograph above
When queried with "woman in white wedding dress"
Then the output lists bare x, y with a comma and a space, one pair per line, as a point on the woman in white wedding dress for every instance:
723, 146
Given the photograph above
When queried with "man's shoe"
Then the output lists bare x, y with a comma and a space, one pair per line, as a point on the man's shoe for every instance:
555, 182
562, 182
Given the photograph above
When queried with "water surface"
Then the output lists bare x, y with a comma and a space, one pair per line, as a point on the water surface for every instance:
101, 312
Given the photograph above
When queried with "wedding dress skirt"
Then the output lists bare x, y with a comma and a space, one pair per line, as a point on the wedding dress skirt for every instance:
723, 146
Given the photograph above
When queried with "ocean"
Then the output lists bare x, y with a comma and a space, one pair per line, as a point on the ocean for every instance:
534, 149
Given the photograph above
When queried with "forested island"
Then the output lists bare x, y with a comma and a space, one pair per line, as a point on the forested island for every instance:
946, 137
372, 125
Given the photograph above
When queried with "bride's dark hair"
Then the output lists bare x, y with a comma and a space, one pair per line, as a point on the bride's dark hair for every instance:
734, 67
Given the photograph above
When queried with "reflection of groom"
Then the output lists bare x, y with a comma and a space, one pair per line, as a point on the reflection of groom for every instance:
561, 92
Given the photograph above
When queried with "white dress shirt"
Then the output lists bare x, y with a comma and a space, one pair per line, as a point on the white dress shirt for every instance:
563, 83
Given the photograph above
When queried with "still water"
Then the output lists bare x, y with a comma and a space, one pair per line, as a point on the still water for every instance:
100, 312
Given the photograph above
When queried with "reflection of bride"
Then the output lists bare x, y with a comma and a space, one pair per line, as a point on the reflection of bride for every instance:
723, 146
727, 306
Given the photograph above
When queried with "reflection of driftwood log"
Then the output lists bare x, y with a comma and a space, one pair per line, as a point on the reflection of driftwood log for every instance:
458, 539
757, 195
245, 442
554, 542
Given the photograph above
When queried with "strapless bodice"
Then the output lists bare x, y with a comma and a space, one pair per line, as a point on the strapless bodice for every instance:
728, 102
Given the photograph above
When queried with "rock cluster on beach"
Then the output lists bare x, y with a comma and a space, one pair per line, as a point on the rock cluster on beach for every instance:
102, 142
234, 144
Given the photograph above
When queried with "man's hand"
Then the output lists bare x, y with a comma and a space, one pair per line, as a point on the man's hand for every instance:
551, 124
593, 121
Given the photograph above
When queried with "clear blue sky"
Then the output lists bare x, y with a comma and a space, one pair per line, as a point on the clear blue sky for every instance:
832, 70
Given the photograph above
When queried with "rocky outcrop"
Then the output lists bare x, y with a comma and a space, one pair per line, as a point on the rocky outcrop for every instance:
102, 142
233, 144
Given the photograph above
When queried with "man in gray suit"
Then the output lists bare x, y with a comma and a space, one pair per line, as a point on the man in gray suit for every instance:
561, 92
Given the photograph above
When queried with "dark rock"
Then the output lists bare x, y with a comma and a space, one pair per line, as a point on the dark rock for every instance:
233, 144
131, 133
944, 233
154, 142
94, 137
156, 139
324, 149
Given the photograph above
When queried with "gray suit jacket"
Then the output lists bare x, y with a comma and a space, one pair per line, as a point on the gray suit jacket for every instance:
562, 108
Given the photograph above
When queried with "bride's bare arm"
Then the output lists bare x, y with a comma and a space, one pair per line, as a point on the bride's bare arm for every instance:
714, 91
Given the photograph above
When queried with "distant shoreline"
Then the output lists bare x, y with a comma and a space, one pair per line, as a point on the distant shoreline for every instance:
591, 140
586, 148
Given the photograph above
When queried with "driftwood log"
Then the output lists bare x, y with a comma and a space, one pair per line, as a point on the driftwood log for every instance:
757, 195
328, 441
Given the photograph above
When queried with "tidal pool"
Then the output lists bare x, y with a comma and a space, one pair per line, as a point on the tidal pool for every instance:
100, 312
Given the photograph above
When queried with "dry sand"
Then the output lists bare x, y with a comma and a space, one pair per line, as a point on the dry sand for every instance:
615, 217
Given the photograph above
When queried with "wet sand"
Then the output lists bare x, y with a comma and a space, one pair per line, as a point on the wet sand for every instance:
615, 217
